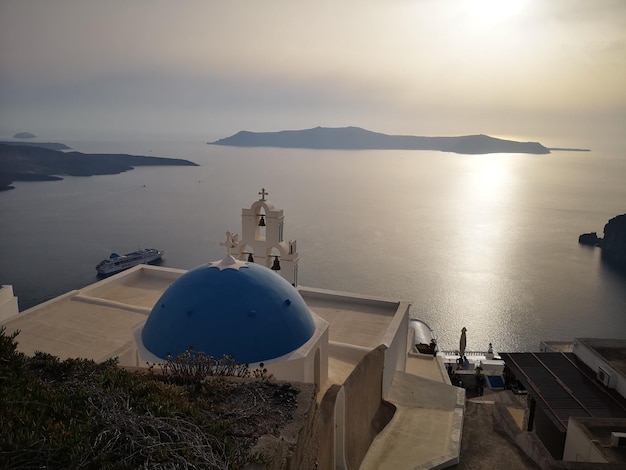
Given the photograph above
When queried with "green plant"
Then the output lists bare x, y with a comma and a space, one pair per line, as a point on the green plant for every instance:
76, 413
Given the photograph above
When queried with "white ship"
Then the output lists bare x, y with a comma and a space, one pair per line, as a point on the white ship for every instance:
116, 263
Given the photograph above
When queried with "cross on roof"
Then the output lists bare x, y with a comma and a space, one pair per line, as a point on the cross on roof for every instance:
231, 242
263, 193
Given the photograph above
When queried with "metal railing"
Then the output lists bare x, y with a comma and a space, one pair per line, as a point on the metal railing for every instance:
455, 352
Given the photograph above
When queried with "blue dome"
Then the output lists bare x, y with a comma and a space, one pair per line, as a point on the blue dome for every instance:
239, 309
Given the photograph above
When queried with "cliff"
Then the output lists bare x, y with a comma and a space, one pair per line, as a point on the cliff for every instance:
613, 244
34, 163
355, 138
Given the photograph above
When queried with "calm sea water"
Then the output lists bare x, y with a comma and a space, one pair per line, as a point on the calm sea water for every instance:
488, 242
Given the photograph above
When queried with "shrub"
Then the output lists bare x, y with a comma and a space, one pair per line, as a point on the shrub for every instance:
78, 413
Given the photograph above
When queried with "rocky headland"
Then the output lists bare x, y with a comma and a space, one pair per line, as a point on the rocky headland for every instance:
36, 163
46, 145
612, 244
355, 138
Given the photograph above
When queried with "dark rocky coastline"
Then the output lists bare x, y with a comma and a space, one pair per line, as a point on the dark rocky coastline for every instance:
46, 145
355, 138
35, 163
612, 244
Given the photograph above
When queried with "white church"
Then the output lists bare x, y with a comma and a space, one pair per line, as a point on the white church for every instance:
249, 305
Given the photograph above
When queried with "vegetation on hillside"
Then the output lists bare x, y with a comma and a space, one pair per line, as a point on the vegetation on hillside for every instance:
191, 413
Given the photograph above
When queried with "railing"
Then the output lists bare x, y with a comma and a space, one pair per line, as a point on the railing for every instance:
455, 352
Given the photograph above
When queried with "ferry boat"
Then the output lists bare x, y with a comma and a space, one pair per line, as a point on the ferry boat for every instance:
116, 263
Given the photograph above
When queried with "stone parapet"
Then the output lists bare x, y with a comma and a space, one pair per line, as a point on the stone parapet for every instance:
8, 303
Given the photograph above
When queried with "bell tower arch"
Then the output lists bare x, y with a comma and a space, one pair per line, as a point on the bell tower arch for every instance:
262, 242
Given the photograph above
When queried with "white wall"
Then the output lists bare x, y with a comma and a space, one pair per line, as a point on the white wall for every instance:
396, 341
578, 446
8, 303
300, 364
340, 430
593, 360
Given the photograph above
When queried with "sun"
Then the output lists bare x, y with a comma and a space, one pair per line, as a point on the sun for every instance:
492, 11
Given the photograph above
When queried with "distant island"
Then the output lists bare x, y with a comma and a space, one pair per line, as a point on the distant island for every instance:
355, 138
24, 135
35, 163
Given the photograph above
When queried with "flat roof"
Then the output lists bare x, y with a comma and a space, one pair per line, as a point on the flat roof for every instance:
97, 321
613, 351
357, 320
564, 387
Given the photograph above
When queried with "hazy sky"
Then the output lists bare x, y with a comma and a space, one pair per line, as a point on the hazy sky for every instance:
208, 69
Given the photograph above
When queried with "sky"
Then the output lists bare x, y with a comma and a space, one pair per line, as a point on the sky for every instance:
206, 69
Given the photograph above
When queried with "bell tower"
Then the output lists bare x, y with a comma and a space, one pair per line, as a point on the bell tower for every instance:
262, 239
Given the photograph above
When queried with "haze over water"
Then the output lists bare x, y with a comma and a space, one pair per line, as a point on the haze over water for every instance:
488, 242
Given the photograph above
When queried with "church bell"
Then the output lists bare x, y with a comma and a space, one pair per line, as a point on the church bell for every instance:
276, 265
250, 258
262, 221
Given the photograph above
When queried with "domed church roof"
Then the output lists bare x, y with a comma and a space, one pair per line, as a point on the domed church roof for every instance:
231, 308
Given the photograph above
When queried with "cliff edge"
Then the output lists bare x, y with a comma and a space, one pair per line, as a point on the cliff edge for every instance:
613, 244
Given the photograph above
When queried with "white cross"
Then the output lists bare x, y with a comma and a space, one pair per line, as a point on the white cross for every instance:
231, 242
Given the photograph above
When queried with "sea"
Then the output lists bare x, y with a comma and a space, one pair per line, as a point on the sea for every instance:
486, 242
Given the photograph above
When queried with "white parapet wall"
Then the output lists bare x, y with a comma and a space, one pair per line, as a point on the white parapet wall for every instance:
8, 303
579, 445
